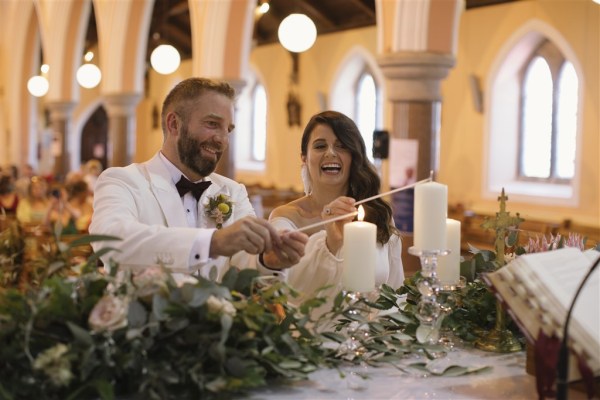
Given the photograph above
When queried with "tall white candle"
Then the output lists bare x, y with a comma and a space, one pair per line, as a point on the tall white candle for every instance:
448, 270
359, 252
431, 209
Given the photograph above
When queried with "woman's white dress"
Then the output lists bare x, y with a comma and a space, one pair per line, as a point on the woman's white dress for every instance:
319, 267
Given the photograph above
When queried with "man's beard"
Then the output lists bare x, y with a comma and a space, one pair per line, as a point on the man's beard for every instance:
191, 156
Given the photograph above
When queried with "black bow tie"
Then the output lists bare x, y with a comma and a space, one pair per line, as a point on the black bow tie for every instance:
184, 186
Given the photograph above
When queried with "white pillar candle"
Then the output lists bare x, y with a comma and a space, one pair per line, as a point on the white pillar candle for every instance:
431, 209
359, 252
448, 270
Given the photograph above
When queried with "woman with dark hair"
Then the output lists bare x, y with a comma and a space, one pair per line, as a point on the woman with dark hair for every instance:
336, 173
8, 197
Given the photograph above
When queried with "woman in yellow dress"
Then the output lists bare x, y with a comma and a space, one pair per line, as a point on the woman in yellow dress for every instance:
33, 208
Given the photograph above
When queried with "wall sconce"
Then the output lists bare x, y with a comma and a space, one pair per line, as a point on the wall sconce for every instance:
89, 75
297, 33
38, 85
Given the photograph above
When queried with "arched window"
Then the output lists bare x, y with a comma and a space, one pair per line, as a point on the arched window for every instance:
366, 109
250, 135
259, 123
357, 91
549, 117
534, 119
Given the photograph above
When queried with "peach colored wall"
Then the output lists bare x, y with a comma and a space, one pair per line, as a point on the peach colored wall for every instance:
483, 32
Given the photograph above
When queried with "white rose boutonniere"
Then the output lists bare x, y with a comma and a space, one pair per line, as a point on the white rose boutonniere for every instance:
219, 208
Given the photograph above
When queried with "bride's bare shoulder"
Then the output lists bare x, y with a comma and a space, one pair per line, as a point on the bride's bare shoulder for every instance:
292, 210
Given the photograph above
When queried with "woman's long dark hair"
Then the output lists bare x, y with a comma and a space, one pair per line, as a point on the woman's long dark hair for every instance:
363, 180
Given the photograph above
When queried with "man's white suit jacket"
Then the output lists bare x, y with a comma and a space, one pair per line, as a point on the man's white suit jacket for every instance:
140, 204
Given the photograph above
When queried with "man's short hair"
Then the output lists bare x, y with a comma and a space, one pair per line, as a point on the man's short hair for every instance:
191, 89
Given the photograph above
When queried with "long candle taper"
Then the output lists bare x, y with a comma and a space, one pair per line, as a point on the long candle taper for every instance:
391, 191
324, 222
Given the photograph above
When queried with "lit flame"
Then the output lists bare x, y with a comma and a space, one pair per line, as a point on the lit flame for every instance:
361, 213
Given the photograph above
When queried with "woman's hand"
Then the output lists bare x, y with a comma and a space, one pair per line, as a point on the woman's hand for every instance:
335, 230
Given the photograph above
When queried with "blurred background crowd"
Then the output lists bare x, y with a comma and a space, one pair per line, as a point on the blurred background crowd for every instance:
44, 204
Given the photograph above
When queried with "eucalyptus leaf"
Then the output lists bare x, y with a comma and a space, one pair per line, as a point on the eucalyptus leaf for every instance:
159, 307
81, 335
290, 364
137, 315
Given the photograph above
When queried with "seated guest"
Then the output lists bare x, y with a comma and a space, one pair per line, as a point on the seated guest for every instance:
71, 209
168, 210
8, 196
91, 170
336, 173
32, 209
22, 183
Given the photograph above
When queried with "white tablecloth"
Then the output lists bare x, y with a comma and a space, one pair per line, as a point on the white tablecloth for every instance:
507, 379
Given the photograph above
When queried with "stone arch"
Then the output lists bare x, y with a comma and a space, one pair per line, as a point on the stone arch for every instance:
94, 137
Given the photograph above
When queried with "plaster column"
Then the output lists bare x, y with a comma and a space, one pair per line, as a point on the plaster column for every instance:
413, 87
60, 121
226, 165
121, 127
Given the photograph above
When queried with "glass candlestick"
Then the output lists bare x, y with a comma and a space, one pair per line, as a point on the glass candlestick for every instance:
429, 310
448, 301
357, 331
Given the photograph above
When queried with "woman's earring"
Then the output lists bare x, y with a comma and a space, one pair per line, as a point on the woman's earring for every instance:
306, 179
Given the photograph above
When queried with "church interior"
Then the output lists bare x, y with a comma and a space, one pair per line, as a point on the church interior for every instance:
445, 75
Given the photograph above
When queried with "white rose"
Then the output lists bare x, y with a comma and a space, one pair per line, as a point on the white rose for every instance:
109, 314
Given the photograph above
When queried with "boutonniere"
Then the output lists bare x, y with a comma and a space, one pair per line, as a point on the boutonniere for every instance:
219, 208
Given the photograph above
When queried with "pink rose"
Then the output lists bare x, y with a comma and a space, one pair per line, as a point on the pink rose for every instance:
149, 281
109, 314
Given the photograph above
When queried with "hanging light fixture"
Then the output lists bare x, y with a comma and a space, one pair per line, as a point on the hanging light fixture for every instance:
262, 8
89, 75
165, 59
297, 33
38, 85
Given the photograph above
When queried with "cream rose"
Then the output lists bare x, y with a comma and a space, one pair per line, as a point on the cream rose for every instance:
109, 314
219, 306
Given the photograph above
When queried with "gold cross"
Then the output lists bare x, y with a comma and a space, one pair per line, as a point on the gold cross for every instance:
501, 224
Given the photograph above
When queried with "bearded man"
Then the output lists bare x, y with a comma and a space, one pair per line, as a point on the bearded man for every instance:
174, 210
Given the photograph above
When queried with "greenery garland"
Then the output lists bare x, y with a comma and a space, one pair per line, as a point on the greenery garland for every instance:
87, 334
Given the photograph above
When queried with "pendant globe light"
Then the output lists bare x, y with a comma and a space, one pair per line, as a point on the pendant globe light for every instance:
165, 58
89, 75
38, 85
297, 33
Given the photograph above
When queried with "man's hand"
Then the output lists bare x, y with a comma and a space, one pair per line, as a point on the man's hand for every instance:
250, 234
288, 253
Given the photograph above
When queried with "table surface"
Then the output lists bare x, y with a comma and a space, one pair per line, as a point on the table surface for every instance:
506, 379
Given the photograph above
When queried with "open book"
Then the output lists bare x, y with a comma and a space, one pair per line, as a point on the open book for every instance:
539, 288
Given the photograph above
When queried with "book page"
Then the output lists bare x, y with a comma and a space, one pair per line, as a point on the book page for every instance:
550, 281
